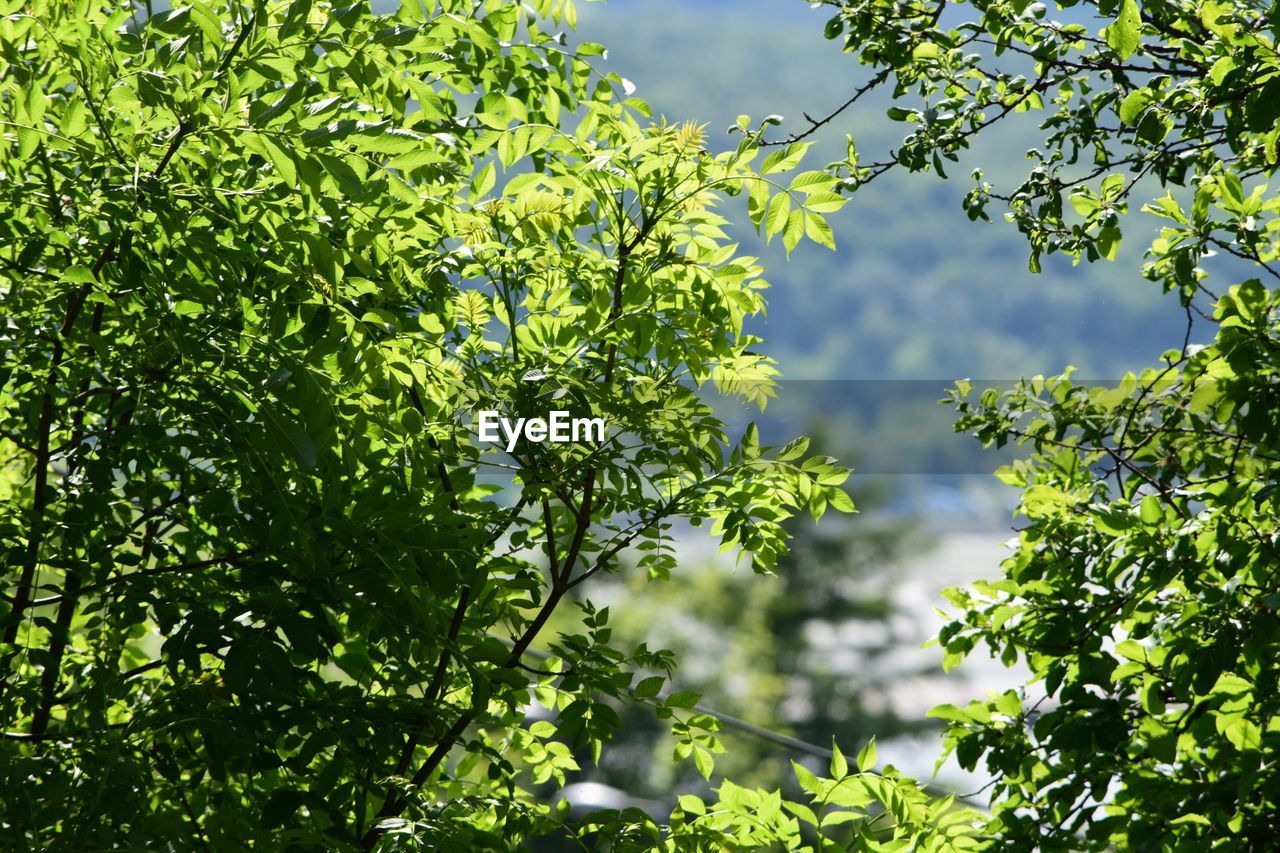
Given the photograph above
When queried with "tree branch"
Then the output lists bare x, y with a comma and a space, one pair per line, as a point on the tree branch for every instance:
816, 125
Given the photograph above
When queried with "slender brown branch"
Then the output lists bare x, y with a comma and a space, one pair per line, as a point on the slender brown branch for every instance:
817, 124
459, 613
31, 557
186, 807
39, 501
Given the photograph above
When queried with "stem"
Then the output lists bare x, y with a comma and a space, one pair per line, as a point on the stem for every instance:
44, 427
395, 804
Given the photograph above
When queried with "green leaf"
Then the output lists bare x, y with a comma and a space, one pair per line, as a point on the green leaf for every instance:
793, 450
74, 119
484, 180
1152, 701
647, 688
1151, 511
291, 95
1244, 734
400, 34
805, 777
704, 762
867, 757
825, 202
1109, 239
812, 182
682, 699
1231, 685
1123, 35
337, 131
819, 231
1221, 68
1131, 650
794, 230
172, 21
779, 211
1191, 817
839, 766
785, 158
691, 804
1133, 105
292, 437
1084, 203
78, 274
801, 811
280, 159
840, 500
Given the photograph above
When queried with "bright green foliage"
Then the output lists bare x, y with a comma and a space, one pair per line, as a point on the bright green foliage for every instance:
259, 265
1178, 91
1143, 596
1143, 590
1143, 593
852, 809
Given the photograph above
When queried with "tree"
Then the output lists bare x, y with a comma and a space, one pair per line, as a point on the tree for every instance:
258, 273
1142, 594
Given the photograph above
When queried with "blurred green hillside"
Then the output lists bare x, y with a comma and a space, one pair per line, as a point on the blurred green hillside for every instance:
915, 290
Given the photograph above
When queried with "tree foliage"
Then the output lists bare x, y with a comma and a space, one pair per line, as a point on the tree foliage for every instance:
1142, 591
260, 263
